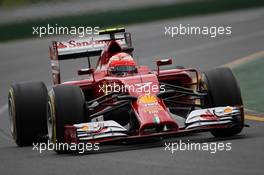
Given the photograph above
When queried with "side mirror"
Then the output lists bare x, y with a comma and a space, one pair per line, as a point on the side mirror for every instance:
85, 71
164, 62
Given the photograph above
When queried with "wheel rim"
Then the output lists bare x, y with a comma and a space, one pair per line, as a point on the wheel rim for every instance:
11, 110
49, 120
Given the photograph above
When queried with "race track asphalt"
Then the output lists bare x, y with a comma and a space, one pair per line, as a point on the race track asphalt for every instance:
27, 60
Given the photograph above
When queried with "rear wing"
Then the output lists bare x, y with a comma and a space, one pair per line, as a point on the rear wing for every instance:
85, 47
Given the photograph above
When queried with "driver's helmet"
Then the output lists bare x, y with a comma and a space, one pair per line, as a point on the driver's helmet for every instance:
122, 63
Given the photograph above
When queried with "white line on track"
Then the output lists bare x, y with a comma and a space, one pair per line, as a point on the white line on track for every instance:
242, 60
3, 133
3, 109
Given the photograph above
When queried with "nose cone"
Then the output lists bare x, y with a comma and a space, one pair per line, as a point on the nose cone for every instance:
152, 113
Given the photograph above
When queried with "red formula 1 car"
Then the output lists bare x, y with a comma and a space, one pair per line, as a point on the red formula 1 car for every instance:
119, 101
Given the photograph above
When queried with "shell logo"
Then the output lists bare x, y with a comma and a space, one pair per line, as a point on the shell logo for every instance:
146, 99
228, 110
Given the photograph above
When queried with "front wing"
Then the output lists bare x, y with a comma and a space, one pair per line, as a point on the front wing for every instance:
110, 132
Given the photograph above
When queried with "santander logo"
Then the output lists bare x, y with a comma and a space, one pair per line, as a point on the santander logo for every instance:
60, 45
78, 44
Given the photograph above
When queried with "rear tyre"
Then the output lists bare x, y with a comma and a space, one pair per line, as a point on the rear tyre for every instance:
66, 106
27, 112
223, 90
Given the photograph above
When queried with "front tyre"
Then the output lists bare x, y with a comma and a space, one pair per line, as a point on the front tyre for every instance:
223, 90
27, 112
66, 106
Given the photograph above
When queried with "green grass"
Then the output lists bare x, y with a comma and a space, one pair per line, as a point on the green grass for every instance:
251, 81
16, 3
128, 16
